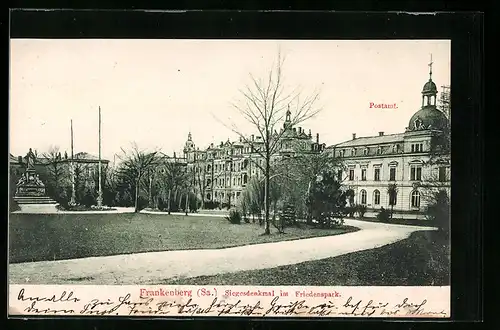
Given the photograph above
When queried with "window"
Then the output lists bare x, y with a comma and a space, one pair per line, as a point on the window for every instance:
353, 152
392, 174
418, 147
442, 174
376, 174
416, 173
208, 196
365, 152
351, 174
209, 182
245, 179
339, 175
376, 197
415, 199
379, 150
363, 174
343, 153
363, 197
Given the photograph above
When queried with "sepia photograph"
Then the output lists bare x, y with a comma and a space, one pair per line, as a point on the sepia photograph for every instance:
176, 162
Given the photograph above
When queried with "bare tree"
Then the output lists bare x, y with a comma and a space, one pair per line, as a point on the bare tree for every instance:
55, 169
135, 166
302, 170
265, 104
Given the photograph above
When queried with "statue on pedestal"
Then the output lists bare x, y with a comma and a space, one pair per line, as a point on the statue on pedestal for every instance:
29, 183
30, 160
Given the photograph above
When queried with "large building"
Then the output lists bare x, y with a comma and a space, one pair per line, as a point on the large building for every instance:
373, 163
221, 172
370, 164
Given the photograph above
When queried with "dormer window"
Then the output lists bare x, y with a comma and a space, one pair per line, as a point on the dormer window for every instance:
365, 152
353, 152
379, 150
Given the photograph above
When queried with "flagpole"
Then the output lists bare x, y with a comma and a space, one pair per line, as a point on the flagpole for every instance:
99, 197
73, 195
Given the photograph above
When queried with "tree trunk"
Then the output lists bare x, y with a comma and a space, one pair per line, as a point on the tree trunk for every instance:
267, 200
137, 195
187, 203
179, 205
151, 202
392, 209
309, 205
169, 199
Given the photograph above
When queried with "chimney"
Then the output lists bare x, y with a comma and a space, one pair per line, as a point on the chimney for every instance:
354, 136
310, 135
294, 130
20, 159
380, 133
300, 130
253, 137
317, 138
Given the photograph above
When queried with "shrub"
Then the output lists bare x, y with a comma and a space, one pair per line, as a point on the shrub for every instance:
211, 205
234, 217
384, 215
439, 211
361, 209
13, 205
350, 211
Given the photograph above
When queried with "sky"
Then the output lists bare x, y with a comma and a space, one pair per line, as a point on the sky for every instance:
154, 92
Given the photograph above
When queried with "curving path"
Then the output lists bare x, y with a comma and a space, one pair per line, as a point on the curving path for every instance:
153, 267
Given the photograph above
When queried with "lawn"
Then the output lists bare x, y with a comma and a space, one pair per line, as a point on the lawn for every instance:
37, 237
421, 259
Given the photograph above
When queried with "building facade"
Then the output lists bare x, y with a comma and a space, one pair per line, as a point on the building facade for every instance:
372, 164
221, 172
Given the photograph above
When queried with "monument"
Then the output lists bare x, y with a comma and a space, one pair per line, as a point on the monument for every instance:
30, 185
30, 190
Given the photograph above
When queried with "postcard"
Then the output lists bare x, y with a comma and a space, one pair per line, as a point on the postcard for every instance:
232, 178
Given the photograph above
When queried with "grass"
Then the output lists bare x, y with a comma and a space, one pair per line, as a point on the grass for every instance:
422, 259
37, 237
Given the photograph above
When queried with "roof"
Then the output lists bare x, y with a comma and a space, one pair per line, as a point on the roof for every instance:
429, 87
428, 117
370, 140
13, 158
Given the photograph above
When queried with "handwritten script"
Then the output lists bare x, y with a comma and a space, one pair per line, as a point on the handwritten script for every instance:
69, 303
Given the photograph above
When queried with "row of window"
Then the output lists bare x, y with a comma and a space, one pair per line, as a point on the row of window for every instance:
366, 151
414, 198
415, 174
417, 147
233, 167
222, 195
237, 181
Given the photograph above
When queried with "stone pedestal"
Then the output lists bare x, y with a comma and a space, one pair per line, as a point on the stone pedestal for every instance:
29, 185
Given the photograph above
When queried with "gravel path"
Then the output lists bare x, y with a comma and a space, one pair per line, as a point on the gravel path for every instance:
153, 267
